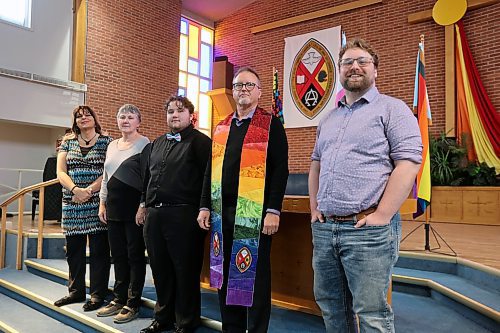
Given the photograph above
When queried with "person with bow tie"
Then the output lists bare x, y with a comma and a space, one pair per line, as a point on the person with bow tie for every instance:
174, 167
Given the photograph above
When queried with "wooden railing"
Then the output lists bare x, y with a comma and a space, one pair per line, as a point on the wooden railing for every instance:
19, 196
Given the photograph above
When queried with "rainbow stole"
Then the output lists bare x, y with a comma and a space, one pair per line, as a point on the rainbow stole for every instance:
249, 207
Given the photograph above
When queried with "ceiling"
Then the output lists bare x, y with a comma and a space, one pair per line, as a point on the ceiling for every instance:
214, 10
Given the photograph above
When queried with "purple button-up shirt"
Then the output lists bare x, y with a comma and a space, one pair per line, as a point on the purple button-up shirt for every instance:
357, 145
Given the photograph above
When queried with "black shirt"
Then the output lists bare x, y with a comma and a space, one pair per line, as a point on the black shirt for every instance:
276, 167
173, 172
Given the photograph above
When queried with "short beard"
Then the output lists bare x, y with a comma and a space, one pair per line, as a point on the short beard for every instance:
357, 87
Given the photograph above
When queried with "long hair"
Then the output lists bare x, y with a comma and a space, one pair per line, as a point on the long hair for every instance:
79, 110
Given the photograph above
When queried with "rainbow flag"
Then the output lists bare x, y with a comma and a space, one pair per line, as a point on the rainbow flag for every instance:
422, 189
277, 105
341, 91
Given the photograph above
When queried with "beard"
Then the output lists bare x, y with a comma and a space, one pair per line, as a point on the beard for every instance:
244, 100
357, 85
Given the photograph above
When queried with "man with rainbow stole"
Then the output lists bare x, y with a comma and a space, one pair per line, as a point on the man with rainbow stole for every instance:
244, 189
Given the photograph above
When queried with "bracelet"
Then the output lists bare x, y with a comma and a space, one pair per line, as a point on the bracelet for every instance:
73, 189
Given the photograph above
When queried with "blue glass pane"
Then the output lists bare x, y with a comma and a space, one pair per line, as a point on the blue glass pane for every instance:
206, 60
204, 85
193, 66
184, 27
182, 92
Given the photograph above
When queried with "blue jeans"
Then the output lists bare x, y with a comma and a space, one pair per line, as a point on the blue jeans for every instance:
352, 269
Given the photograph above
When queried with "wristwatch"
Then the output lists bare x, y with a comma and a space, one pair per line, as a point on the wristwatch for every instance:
142, 205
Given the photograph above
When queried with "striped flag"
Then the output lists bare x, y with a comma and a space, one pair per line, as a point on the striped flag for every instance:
422, 191
341, 91
277, 106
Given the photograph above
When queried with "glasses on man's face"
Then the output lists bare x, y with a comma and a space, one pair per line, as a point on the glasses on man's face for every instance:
249, 86
362, 61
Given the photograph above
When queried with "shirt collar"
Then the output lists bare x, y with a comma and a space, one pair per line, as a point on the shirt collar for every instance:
369, 96
248, 116
185, 132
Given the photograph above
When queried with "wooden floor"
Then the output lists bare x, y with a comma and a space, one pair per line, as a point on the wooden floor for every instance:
478, 243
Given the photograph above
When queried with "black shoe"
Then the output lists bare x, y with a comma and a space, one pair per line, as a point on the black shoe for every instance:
157, 327
69, 300
91, 305
183, 330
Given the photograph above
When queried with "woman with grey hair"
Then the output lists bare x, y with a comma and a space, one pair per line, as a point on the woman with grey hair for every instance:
119, 200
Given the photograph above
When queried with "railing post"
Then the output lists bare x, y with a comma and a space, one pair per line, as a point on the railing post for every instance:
19, 264
2, 236
41, 207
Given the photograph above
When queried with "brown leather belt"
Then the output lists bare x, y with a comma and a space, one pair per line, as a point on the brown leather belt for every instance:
361, 215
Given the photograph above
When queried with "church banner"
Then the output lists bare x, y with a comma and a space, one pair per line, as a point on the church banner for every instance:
310, 76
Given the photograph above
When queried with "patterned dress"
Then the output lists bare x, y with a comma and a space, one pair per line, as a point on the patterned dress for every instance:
82, 219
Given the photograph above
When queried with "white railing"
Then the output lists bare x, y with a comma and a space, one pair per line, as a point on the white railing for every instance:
10, 187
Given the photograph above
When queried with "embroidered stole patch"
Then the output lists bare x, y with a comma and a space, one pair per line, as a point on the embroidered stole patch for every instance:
249, 208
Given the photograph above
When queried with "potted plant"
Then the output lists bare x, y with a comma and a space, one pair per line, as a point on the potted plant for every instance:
462, 190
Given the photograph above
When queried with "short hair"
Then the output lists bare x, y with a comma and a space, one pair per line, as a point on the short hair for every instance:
186, 103
362, 44
74, 128
246, 69
129, 108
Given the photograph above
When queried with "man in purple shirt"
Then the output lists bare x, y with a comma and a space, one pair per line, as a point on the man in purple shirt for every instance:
367, 155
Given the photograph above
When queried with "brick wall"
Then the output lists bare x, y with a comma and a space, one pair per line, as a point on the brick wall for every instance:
132, 56
385, 26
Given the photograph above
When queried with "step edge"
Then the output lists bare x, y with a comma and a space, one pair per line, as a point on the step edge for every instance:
90, 322
149, 303
4, 327
451, 259
467, 301
31, 235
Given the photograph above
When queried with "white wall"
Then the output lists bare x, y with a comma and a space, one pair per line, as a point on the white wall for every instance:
24, 147
44, 49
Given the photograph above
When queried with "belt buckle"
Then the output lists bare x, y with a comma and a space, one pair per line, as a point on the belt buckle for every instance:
158, 205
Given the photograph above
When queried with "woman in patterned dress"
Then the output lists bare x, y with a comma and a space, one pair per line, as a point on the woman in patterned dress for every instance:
80, 164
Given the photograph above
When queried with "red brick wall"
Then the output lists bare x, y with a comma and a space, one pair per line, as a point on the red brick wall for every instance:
385, 26
132, 57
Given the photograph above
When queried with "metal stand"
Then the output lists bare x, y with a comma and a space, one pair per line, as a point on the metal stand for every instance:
428, 229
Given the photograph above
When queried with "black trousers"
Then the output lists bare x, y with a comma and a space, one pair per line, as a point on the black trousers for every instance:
127, 250
175, 248
99, 264
236, 319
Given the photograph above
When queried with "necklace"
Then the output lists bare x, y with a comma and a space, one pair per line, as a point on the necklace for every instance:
87, 142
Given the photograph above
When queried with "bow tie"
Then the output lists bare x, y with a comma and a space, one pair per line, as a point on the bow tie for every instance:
176, 137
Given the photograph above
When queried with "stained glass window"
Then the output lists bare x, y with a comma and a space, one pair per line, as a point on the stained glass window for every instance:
195, 69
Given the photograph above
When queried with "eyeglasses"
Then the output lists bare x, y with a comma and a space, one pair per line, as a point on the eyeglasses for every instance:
249, 86
83, 113
362, 61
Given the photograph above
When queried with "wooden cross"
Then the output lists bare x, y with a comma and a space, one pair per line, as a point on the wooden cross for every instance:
478, 204
449, 56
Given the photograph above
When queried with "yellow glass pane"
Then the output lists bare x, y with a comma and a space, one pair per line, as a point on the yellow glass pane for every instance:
183, 53
194, 42
193, 90
205, 111
206, 36
182, 79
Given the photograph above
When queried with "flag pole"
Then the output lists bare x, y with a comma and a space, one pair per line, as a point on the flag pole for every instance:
427, 228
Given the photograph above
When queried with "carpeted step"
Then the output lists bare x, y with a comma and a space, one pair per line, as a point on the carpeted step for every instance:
481, 294
474, 301
44, 292
282, 320
19, 317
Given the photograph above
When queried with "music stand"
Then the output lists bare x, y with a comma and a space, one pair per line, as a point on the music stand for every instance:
428, 228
